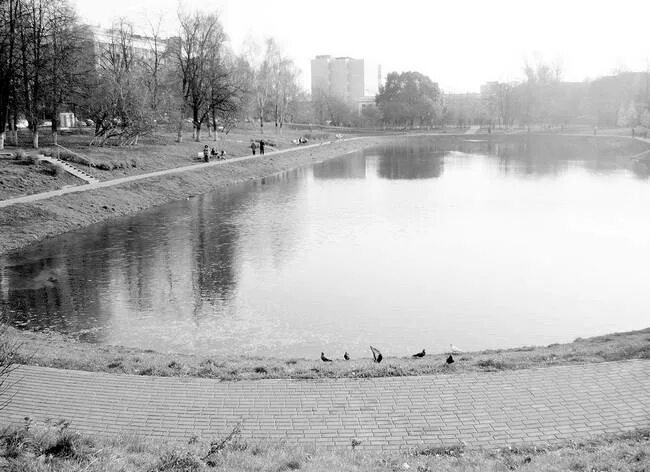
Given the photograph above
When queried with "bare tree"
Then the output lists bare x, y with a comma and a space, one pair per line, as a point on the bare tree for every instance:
68, 66
10, 11
33, 31
196, 52
263, 71
285, 89
153, 67
119, 105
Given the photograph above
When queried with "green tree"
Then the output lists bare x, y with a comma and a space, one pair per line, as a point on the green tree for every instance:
409, 98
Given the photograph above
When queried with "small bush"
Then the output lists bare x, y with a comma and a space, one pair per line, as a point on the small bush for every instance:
53, 169
69, 156
30, 160
20, 155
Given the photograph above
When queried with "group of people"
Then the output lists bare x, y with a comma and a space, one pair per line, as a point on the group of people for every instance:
254, 147
300, 140
212, 153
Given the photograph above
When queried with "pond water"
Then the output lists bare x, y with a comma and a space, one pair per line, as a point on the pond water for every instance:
417, 244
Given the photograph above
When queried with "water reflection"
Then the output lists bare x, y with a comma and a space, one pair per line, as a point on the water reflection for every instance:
420, 160
352, 167
413, 243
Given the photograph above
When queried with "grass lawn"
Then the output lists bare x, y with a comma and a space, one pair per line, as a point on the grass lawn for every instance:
53, 447
56, 350
161, 151
22, 177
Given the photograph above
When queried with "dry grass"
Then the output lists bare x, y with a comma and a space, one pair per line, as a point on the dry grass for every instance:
54, 447
24, 177
55, 350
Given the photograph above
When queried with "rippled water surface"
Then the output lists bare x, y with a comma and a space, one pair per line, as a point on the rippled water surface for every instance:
417, 244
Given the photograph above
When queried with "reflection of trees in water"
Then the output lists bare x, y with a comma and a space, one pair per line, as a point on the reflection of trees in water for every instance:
214, 239
550, 155
175, 262
51, 286
417, 159
346, 167
273, 221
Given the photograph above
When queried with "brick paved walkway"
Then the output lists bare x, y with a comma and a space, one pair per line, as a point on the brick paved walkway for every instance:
481, 409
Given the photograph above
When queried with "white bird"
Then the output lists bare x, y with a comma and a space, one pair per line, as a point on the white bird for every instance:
454, 350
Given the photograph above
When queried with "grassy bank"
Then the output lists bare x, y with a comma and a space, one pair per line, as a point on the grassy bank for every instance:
56, 350
48, 447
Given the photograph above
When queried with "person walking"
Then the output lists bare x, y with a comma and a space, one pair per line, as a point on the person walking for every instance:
261, 147
253, 147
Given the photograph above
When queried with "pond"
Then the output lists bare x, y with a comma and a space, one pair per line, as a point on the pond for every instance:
417, 244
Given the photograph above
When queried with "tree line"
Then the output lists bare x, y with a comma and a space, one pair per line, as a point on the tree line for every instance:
124, 84
543, 98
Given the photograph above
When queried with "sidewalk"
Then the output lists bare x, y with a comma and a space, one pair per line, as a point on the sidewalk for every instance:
480, 409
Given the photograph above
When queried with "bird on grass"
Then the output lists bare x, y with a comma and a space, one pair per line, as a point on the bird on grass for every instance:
323, 358
450, 359
346, 356
376, 354
420, 354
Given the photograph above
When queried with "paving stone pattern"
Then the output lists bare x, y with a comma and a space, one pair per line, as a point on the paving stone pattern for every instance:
480, 409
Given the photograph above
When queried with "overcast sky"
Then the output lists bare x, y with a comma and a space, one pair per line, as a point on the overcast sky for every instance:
459, 44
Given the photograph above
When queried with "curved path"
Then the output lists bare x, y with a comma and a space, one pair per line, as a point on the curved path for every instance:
480, 409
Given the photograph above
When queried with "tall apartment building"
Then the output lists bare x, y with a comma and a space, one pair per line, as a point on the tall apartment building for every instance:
344, 77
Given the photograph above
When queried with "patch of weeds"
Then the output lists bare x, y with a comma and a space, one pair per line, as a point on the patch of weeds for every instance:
174, 365
454, 450
230, 441
291, 464
115, 364
261, 370
177, 461
576, 466
69, 444
15, 441
291, 362
206, 372
212, 363
492, 364
152, 371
